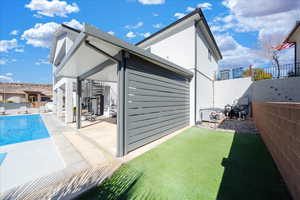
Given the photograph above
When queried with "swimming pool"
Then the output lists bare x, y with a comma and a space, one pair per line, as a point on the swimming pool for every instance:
21, 128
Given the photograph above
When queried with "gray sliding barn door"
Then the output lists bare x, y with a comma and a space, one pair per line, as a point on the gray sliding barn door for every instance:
156, 102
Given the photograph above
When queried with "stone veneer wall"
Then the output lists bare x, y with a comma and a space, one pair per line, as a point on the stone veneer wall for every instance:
279, 125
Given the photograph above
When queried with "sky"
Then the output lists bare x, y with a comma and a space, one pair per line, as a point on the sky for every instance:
242, 28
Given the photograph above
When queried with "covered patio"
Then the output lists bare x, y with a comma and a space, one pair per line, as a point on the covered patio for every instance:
145, 110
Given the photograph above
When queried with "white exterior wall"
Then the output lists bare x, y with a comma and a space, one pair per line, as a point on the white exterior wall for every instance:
179, 48
69, 44
206, 68
110, 97
227, 91
59, 44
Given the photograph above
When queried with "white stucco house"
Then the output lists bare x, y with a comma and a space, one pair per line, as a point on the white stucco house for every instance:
294, 37
158, 85
189, 43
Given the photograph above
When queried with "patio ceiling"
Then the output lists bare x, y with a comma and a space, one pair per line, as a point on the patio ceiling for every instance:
83, 58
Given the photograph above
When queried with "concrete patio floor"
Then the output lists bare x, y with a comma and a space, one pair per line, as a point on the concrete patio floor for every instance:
102, 133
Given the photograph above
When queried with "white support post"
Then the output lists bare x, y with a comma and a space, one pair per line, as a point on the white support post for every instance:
192, 102
69, 101
59, 102
54, 101
107, 100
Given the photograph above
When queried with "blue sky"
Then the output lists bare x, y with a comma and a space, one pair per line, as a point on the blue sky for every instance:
239, 26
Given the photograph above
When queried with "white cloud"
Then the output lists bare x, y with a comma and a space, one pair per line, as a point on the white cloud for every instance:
155, 14
74, 24
224, 27
14, 32
131, 34
225, 19
6, 45
41, 35
205, 6
9, 74
3, 61
260, 7
42, 62
6, 78
149, 2
52, 8
158, 25
111, 32
269, 18
38, 16
136, 26
190, 9
235, 54
146, 34
179, 15
19, 50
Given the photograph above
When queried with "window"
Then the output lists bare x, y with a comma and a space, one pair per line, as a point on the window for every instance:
47, 99
209, 55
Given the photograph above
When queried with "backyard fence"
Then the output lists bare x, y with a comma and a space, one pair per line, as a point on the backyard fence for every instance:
279, 126
263, 73
281, 71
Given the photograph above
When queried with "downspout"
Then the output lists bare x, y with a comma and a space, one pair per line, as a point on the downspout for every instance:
295, 58
78, 102
121, 150
195, 72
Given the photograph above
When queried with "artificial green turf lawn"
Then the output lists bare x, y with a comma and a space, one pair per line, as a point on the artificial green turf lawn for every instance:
198, 164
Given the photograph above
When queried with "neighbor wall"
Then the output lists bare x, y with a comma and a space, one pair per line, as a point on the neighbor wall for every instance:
271, 90
279, 126
277, 90
226, 91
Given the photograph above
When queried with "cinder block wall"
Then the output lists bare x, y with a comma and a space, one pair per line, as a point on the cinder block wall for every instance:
279, 125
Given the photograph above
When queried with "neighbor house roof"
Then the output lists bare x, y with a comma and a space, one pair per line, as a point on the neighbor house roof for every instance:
296, 29
197, 12
22, 88
118, 43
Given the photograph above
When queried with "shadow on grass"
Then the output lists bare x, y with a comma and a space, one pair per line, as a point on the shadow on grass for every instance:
250, 172
118, 187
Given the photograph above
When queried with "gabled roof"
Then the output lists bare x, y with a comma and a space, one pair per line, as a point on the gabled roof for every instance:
291, 34
61, 30
197, 12
117, 43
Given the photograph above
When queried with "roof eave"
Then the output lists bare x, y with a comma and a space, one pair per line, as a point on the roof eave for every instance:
290, 35
54, 41
91, 31
210, 34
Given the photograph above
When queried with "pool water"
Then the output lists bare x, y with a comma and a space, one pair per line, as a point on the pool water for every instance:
21, 128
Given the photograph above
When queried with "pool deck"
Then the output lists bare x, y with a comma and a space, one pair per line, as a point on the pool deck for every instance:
26, 161
66, 153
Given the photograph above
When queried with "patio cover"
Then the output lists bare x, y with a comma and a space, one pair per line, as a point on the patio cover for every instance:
94, 51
